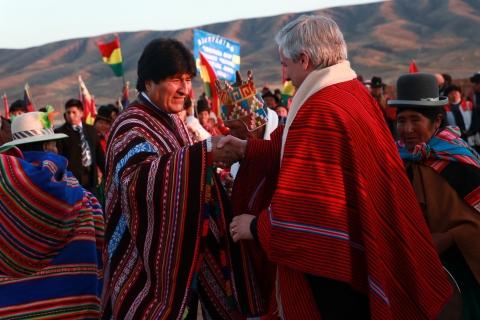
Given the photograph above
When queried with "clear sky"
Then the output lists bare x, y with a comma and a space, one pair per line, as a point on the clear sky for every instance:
28, 23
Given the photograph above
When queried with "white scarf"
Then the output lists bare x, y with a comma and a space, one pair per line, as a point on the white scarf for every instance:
314, 82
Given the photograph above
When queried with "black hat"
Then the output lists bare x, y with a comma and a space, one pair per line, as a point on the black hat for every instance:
376, 82
475, 78
268, 94
202, 105
451, 88
104, 113
418, 90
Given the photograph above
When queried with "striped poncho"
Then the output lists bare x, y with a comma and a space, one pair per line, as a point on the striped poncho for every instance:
51, 237
167, 240
343, 208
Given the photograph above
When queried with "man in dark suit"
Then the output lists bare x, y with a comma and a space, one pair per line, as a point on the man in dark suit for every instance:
82, 147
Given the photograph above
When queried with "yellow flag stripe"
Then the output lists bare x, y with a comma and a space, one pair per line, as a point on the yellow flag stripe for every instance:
204, 74
115, 57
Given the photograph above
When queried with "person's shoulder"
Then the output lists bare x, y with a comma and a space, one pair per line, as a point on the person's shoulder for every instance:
62, 129
88, 127
90, 130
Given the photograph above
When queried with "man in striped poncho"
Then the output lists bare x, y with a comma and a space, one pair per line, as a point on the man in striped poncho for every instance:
51, 230
166, 214
343, 225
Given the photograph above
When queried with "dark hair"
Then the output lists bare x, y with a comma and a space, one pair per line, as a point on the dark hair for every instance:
32, 146
447, 78
270, 94
114, 108
430, 113
163, 58
451, 88
74, 103
202, 105
18, 105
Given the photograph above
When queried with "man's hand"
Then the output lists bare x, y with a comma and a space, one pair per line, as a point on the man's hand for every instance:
240, 227
227, 150
242, 128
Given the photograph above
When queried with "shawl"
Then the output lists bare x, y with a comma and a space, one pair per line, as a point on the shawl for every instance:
453, 159
315, 81
51, 235
344, 208
167, 219
457, 165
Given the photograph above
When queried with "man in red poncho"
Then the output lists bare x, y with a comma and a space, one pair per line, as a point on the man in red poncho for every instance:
343, 225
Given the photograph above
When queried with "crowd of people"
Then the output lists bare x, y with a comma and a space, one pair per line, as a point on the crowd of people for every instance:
341, 203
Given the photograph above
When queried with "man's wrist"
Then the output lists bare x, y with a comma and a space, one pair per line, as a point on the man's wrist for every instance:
209, 147
209, 144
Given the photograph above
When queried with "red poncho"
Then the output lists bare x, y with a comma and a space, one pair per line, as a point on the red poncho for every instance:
343, 208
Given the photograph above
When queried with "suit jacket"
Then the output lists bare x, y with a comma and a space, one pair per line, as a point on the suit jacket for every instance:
72, 150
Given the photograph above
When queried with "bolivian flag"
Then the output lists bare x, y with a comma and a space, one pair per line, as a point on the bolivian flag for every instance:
209, 78
112, 55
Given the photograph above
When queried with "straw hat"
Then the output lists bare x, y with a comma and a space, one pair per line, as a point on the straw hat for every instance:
32, 127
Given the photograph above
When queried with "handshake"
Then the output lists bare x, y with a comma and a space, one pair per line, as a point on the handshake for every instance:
227, 150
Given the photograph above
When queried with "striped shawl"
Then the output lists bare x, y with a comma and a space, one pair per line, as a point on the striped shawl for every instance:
51, 237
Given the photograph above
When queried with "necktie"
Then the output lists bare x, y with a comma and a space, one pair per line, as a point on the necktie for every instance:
86, 154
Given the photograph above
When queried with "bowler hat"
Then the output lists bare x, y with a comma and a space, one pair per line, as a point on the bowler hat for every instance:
376, 82
104, 113
418, 90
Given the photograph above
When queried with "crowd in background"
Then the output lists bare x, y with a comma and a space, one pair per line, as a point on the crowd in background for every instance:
142, 163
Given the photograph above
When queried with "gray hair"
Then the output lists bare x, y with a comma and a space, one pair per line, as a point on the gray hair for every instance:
316, 36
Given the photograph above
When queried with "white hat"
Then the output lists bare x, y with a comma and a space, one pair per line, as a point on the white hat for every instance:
32, 127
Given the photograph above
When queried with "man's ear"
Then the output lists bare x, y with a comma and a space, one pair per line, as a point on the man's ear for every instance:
305, 61
148, 85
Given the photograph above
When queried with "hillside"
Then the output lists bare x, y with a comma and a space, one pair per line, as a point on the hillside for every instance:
442, 35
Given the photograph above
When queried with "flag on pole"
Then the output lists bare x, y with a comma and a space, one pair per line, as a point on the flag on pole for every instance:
209, 78
112, 55
27, 98
413, 67
89, 109
5, 106
124, 100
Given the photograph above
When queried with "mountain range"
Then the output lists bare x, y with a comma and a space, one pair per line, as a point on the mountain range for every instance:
382, 38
